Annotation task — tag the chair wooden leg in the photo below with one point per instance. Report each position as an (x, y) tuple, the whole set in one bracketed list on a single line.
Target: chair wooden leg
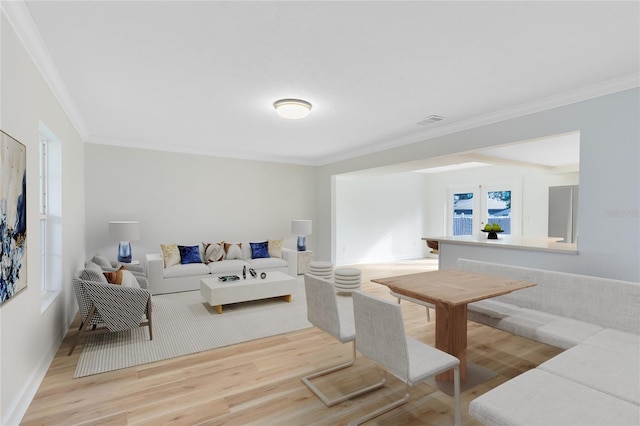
[(83, 327), (428, 315), (330, 402)]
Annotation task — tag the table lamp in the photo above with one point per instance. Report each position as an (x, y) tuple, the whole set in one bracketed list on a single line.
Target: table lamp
[(124, 231), (302, 228)]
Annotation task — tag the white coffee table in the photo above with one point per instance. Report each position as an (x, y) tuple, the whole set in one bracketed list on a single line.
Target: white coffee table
[(217, 293)]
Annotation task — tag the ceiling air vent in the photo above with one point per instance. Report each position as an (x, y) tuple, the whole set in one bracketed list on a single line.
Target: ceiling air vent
[(430, 119)]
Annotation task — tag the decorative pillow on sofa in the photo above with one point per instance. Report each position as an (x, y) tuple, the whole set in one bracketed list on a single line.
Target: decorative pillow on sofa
[(213, 252), (259, 250), (275, 248), (233, 250), (189, 254), (170, 254)]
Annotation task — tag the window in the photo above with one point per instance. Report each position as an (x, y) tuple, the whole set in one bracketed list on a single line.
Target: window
[(463, 213), (43, 214), (472, 207), (50, 174), (498, 209)]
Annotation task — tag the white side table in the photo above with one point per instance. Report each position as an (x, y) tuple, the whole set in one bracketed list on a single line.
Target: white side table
[(134, 266), (304, 259)]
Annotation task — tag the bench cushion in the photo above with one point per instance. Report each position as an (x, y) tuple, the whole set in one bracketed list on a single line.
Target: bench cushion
[(610, 372), (538, 397), (617, 341), (584, 298), (565, 333)]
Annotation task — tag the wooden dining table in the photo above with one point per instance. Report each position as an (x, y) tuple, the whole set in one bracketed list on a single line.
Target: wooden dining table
[(451, 290)]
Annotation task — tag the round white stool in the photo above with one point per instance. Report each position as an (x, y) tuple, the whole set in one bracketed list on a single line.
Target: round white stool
[(346, 279), (321, 269)]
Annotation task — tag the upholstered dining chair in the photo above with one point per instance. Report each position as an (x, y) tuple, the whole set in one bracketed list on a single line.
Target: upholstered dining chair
[(108, 307), (381, 338), (419, 302), (336, 319)]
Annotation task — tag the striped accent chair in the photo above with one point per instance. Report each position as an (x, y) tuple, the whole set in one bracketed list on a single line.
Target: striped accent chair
[(107, 307)]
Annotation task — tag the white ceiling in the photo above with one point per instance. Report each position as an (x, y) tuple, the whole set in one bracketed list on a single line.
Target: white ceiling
[(202, 76)]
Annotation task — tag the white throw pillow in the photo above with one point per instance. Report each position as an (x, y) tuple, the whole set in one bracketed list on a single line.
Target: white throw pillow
[(213, 252), (275, 248), (233, 251), (129, 280), (170, 254)]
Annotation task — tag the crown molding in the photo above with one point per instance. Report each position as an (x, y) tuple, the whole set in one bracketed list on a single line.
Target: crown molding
[(180, 149), (608, 87), (20, 19)]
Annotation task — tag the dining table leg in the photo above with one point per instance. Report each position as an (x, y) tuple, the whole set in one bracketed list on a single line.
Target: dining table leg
[(451, 337)]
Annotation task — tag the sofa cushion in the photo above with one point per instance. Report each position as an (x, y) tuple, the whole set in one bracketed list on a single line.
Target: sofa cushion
[(259, 250), (228, 266), (187, 270), (189, 254), (538, 397), (170, 254), (267, 263), (213, 252), (275, 248), (609, 372), (233, 251)]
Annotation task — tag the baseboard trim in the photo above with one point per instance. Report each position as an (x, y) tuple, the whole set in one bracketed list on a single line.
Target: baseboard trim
[(19, 406)]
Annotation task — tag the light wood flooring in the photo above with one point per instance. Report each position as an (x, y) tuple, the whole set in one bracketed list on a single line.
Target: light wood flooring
[(258, 382)]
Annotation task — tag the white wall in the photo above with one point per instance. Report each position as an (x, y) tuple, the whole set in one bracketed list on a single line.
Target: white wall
[(609, 206), (30, 338), (383, 217), (189, 199), (378, 218)]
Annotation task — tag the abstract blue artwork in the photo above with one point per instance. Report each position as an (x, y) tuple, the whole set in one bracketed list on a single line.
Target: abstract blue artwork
[(13, 217)]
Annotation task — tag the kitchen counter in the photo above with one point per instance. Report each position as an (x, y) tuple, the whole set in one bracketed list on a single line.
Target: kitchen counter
[(510, 242)]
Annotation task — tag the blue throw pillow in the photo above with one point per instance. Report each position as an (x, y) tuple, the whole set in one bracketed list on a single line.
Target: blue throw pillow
[(189, 254), (259, 250)]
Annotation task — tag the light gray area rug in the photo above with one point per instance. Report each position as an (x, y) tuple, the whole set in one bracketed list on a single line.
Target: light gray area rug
[(183, 323)]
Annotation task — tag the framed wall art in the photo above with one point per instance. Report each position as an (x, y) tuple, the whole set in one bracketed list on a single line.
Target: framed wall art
[(13, 217)]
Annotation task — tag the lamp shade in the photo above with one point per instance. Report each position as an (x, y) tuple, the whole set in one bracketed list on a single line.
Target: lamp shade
[(301, 227), (125, 230)]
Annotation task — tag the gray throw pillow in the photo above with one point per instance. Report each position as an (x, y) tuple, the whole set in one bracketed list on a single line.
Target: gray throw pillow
[(101, 261)]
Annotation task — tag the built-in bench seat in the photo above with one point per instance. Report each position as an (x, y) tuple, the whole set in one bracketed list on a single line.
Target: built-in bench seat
[(562, 309), (596, 380)]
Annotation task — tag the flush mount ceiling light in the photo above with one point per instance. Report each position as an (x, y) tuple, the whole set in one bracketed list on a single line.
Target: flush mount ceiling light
[(292, 108)]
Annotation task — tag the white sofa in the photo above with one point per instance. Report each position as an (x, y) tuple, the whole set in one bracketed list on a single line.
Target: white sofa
[(596, 381), (187, 277)]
